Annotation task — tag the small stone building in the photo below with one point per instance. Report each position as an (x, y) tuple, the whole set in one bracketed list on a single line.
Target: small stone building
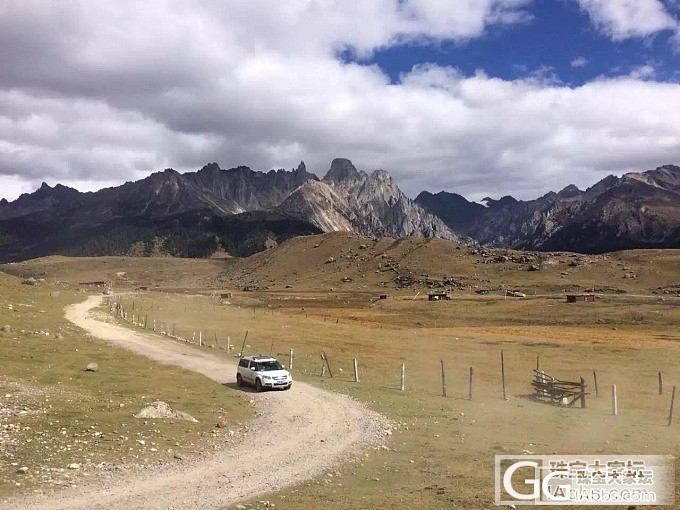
[(575, 298)]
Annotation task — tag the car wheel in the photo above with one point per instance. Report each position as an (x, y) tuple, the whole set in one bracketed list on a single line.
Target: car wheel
[(288, 387), (239, 380), (258, 385)]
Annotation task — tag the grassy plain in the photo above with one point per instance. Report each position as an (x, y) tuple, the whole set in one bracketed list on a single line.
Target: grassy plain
[(54, 414), (441, 454)]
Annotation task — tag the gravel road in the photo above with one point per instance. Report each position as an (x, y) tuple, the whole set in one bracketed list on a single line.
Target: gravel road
[(297, 435)]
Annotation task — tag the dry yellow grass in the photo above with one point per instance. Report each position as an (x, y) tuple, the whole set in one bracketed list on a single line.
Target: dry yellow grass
[(451, 441), (441, 456)]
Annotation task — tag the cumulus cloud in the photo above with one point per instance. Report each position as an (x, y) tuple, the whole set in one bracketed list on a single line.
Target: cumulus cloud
[(623, 19), (102, 92)]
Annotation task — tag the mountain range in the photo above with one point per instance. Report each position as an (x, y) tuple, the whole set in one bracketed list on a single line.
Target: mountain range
[(241, 211), (637, 210)]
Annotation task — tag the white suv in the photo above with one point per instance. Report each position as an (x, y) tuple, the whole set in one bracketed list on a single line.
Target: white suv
[(263, 372)]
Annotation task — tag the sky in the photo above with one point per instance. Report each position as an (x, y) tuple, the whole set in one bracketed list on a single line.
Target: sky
[(477, 97)]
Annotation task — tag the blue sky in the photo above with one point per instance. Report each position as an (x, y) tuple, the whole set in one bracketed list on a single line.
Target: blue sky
[(558, 41), (477, 97)]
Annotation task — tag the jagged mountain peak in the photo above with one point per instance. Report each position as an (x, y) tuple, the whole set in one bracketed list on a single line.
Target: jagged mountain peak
[(666, 177), (382, 176), (210, 168), (349, 199), (569, 191), (501, 202), (342, 170)]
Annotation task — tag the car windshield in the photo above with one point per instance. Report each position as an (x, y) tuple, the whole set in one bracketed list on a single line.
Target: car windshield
[(266, 366)]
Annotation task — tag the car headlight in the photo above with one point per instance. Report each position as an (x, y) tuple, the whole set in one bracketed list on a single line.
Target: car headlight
[(266, 377)]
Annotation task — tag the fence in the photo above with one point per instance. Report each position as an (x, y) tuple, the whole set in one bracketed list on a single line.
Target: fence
[(546, 387)]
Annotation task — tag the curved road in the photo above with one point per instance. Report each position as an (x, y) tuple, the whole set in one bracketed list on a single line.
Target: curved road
[(314, 430)]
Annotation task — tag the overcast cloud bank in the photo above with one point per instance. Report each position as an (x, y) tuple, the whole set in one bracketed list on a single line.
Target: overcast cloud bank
[(95, 93)]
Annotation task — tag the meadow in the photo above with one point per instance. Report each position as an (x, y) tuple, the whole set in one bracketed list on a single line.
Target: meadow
[(441, 453)]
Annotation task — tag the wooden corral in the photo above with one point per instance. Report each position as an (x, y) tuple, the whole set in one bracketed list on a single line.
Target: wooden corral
[(382, 296), (225, 295), (575, 298), (554, 391), (438, 296)]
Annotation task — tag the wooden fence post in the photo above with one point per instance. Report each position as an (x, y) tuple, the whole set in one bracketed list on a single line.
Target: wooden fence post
[(441, 362), (660, 384), (328, 365), (200, 338), (290, 362), (244, 342), (403, 369), (670, 413), (597, 392), (583, 393), (154, 325), (615, 402), (356, 371), (146, 318), (471, 382), (505, 394), (538, 361), (228, 344)]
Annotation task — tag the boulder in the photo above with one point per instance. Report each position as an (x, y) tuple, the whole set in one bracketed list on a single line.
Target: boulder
[(91, 367), (30, 281), (6, 328)]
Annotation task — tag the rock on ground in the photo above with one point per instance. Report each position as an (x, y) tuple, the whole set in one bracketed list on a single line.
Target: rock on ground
[(161, 410), (92, 367)]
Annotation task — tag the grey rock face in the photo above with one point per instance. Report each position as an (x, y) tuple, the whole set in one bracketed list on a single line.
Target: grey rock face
[(352, 200)]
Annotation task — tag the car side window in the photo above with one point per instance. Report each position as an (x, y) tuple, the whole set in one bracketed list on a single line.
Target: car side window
[(253, 364), (243, 363)]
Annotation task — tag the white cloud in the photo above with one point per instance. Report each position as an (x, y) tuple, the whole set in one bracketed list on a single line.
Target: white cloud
[(579, 62), (643, 72), (110, 93), (623, 19)]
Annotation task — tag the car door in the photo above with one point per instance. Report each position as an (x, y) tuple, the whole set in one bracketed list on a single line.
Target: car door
[(243, 369), (252, 369)]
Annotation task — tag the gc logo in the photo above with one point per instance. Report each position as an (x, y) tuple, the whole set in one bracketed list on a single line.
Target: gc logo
[(541, 487)]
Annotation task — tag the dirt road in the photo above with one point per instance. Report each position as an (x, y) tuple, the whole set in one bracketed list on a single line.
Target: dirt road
[(297, 435)]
